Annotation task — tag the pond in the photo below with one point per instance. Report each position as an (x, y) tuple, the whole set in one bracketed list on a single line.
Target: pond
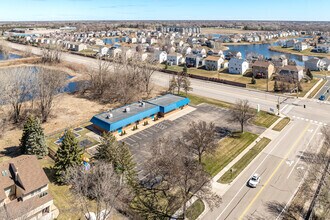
[(9, 57), (263, 49), (113, 40)]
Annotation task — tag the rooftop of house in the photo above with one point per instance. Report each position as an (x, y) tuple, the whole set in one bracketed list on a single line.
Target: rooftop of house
[(165, 100), (123, 112), (30, 174), (212, 58), (260, 63), (292, 68)]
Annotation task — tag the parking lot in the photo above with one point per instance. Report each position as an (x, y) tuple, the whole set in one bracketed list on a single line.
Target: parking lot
[(141, 142)]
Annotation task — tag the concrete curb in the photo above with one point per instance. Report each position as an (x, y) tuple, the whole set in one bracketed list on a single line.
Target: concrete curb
[(313, 88)]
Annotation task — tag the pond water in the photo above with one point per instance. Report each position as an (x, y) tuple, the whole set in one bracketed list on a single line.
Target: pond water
[(113, 40), (9, 57), (263, 49)]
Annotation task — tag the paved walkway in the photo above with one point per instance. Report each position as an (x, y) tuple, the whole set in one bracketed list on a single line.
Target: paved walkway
[(221, 189)]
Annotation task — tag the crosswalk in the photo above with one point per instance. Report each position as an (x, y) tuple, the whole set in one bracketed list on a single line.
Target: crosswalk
[(309, 120), (319, 101)]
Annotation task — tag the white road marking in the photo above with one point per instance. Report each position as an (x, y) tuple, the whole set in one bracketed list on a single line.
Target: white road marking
[(307, 145), (287, 131)]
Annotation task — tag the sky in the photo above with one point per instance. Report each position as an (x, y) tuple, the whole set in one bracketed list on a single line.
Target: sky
[(50, 10)]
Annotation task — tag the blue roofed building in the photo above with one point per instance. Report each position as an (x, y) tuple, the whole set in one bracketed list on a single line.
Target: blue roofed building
[(169, 102), (119, 118)]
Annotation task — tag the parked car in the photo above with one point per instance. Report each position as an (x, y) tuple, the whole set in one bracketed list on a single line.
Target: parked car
[(254, 180), (322, 98)]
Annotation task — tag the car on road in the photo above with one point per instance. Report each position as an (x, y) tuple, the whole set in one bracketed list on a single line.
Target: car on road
[(322, 98), (254, 180)]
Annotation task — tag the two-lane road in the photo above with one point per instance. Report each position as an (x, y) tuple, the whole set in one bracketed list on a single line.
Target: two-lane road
[(278, 166)]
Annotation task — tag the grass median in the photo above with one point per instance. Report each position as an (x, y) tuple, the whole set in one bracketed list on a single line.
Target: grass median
[(317, 89), (229, 148), (237, 168), (279, 126), (195, 210)]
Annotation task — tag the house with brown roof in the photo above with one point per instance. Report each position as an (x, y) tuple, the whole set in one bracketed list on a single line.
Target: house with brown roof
[(24, 190), (213, 63), (262, 69), (292, 72)]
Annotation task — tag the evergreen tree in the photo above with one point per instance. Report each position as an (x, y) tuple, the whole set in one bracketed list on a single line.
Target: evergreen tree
[(106, 148), (119, 155), (309, 74), (27, 129), (33, 139), (276, 86), (69, 154)]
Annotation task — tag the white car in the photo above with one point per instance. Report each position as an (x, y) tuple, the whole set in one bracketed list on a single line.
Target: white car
[(254, 180)]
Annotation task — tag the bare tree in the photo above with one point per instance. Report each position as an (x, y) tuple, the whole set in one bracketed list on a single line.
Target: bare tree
[(99, 184), (16, 86), (241, 113), (100, 77), (180, 81), (49, 83), (51, 54), (200, 138), (174, 176), (147, 71)]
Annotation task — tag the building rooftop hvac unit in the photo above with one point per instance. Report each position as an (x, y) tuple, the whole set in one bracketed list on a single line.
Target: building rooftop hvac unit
[(127, 109)]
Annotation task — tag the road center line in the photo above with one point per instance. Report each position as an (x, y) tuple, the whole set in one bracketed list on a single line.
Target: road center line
[(278, 142), (274, 172), (310, 140)]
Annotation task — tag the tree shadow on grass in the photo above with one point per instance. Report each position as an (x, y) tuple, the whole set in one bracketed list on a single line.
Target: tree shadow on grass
[(12, 151)]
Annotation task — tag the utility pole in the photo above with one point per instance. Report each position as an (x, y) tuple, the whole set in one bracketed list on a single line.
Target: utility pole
[(278, 105)]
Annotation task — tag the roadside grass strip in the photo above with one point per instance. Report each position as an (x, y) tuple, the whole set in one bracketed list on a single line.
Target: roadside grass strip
[(229, 148), (237, 168), (264, 119), (281, 124), (195, 210), (317, 89)]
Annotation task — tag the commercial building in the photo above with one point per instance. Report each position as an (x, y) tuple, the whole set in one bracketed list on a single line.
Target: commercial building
[(117, 119)]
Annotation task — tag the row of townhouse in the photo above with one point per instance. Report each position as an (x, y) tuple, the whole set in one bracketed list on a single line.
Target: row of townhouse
[(317, 64)]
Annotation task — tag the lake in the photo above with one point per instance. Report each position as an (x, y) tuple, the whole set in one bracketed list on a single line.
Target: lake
[(263, 49), (10, 56)]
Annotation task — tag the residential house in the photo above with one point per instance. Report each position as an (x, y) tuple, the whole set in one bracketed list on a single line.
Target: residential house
[(326, 66), (174, 58), (292, 72), (114, 52), (262, 69), (233, 54), (103, 50), (314, 64), (279, 61), (237, 66), (300, 46), (78, 47), (290, 43), (322, 48), (194, 61), (213, 63), (160, 56), (24, 190)]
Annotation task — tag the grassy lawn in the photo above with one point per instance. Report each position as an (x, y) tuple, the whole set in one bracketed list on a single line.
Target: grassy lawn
[(279, 126), (237, 168), (302, 53), (314, 92), (63, 199), (306, 86), (82, 137), (321, 73), (227, 150), (261, 84), (264, 119), (195, 210), (195, 100)]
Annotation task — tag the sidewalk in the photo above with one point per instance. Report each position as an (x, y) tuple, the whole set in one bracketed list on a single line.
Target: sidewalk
[(222, 188)]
